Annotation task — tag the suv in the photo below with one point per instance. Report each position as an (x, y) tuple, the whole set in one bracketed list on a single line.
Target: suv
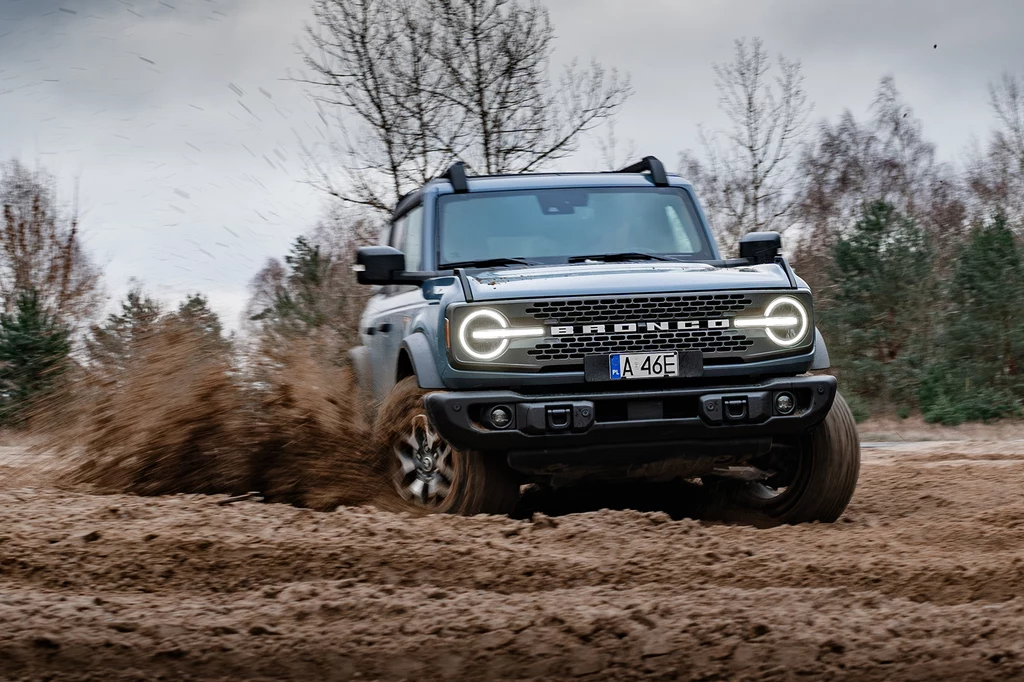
[(562, 329)]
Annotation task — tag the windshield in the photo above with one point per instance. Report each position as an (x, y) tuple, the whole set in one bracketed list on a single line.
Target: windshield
[(554, 225)]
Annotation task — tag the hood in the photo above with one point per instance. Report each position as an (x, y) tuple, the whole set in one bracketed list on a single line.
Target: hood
[(621, 278)]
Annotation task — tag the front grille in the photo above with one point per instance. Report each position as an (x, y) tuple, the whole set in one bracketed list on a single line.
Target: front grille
[(594, 310), (710, 341), (578, 327)]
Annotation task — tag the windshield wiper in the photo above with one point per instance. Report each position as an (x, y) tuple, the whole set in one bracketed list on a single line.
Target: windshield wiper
[(628, 255), (490, 263)]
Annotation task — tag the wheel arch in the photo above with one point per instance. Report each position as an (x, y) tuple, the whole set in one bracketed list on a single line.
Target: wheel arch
[(416, 358), (821, 360), (405, 366)]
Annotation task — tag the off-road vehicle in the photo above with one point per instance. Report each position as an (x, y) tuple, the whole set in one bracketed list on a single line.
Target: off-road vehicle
[(562, 329)]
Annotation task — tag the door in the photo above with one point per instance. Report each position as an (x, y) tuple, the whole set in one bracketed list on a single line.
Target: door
[(398, 303)]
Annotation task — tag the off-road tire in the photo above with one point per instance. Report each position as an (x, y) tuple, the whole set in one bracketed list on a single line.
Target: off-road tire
[(480, 483), (822, 487)]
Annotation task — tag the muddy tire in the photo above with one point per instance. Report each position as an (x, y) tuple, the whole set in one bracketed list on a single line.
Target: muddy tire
[(819, 488), (425, 474)]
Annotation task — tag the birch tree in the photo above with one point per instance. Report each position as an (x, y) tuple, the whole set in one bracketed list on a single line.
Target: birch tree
[(412, 86), (747, 169)]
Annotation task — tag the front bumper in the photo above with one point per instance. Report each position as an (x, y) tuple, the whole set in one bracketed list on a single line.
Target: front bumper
[(717, 417)]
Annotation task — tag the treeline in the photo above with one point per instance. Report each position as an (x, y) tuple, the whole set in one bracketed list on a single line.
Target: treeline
[(51, 332), (915, 262)]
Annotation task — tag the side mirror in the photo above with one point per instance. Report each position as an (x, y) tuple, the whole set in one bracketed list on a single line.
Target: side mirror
[(379, 265), (760, 247)]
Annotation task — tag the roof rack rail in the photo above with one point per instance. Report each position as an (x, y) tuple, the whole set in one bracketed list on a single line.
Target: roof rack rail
[(456, 174), (652, 164)]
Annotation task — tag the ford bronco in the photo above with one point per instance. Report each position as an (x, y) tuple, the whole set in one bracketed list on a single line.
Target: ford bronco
[(561, 329)]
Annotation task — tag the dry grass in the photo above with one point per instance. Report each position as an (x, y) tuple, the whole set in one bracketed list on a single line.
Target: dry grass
[(181, 416), (887, 428)]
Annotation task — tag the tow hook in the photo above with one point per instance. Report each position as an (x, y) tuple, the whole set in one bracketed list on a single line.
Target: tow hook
[(743, 408), (735, 409), (559, 418), (539, 418)]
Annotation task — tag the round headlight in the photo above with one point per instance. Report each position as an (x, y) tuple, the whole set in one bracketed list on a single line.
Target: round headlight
[(786, 308), (473, 336)]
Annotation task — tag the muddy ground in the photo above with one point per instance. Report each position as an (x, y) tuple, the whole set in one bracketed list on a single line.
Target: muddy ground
[(922, 579)]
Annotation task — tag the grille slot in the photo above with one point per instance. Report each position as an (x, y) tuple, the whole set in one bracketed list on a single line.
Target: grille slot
[(631, 309), (710, 341)]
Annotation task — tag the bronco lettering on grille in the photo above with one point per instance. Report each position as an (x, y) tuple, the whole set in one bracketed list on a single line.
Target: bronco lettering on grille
[(635, 327)]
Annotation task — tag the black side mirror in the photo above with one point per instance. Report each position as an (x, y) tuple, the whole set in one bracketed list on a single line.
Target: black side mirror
[(379, 265), (760, 247)]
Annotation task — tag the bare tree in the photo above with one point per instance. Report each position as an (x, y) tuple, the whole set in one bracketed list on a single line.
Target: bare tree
[(496, 55), (904, 161), (418, 84), (373, 65), (996, 175), (850, 164), (1007, 100), (747, 169), (40, 249), (612, 156)]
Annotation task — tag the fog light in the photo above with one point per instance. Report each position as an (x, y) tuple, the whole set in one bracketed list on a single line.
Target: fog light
[(501, 417), (785, 403)]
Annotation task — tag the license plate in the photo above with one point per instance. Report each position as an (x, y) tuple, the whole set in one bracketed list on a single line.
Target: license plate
[(643, 365)]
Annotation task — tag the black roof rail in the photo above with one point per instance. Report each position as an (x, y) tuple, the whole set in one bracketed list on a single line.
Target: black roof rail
[(456, 174), (652, 164)]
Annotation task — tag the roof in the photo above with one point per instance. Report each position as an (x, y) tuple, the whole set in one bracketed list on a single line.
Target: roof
[(456, 180), (491, 183)]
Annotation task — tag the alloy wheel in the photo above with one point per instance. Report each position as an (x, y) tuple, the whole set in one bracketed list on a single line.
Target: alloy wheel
[(424, 474)]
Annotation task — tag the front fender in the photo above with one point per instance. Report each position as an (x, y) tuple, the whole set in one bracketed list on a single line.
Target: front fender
[(424, 364)]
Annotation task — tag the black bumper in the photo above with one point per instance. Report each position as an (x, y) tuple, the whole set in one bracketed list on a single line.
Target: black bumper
[(718, 417)]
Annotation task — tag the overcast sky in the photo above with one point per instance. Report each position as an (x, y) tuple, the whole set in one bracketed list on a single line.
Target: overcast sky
[(185, 135)]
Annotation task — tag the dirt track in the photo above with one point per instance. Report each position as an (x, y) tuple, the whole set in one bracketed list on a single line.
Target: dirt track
[(922, 579)]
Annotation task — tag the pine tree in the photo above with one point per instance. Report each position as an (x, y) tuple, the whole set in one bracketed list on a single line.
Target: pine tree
[(293, 303), (195, 310), (195, 313), (110, 344), (976, 374), (34, 350), (878, 317)]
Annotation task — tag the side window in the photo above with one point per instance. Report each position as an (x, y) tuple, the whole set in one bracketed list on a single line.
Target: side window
[(398, 234), (414, 239), (407, 237)]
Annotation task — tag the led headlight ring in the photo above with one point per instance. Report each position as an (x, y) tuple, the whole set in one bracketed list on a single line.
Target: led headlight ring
[(464, 342), (801, 312)]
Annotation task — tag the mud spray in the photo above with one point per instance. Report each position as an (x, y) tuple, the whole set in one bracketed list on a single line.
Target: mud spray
[(184, 414)]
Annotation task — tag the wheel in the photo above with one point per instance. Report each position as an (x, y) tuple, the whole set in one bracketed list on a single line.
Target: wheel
[(815, 483), (425, 473)]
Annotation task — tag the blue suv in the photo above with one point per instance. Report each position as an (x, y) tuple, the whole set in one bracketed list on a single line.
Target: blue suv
[(567, 329)]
